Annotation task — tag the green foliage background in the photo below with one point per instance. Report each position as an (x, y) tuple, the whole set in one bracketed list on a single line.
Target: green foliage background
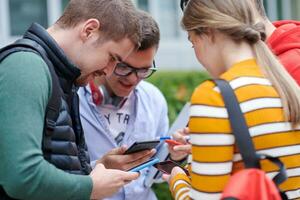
[(177, 87)]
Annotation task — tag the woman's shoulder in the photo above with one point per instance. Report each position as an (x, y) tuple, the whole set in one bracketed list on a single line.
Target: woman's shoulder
[(207, 93)]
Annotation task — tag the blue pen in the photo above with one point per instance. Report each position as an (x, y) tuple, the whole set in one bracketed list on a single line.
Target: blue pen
[(165, 138), (187, 137)]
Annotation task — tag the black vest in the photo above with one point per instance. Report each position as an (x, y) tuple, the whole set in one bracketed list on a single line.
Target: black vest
[(63, 142)]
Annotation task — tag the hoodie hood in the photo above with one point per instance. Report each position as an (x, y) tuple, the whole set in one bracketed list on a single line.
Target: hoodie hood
[(285, 37)]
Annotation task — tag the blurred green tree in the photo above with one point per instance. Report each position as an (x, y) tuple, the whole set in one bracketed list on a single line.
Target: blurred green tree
[(177, 87)]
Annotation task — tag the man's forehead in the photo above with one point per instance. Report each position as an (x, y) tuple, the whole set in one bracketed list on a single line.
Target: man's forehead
[(124, 48), (141, 59)]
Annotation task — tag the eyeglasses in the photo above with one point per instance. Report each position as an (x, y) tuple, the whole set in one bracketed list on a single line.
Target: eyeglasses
[(183, 4), (124, 69)]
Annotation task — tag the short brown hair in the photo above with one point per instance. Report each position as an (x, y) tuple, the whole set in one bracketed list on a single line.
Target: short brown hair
[(118, 18), (150, 31)]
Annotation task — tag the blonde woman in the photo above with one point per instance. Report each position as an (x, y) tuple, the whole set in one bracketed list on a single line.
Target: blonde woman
[(230, 45)]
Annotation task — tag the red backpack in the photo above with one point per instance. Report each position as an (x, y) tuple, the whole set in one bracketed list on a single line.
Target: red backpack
[(251, 183)]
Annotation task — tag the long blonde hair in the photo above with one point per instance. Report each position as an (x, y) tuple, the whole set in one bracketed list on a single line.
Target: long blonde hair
[(235, 18)]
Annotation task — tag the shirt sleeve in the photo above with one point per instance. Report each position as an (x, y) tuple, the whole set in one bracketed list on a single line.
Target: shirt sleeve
[(25, 85), (180, 187)]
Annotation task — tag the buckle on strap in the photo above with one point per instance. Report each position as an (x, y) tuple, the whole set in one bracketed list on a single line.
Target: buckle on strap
[(50, 124)]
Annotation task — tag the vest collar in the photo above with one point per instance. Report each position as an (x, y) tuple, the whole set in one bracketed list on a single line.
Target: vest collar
[(63, 66)]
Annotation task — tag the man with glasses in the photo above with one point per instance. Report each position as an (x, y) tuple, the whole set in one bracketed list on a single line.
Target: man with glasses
[(121, 108)]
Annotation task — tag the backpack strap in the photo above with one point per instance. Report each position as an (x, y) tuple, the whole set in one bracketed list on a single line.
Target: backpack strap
[(54, 103), (242, 135), (238, 125)]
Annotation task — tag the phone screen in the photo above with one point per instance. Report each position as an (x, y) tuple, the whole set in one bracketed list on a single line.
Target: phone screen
[(167, 166), (141, 146)]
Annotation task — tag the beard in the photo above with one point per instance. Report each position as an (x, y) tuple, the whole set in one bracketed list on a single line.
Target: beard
[(83, 80)]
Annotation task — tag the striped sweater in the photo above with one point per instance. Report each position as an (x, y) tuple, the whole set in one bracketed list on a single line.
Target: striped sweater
[(214, 154)]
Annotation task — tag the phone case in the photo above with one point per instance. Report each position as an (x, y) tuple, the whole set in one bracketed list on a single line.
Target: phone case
[(167, 166), (143, 145), (144, 165)]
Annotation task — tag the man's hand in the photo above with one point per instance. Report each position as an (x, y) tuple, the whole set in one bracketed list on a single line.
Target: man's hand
[(178, 152), (106, 182), (115, 159)]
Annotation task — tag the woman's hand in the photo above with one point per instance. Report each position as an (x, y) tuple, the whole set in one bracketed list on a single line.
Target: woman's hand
[(178, 152), (175, 171)]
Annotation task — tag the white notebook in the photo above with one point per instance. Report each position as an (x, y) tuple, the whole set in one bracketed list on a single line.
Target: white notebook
[(180, 122)]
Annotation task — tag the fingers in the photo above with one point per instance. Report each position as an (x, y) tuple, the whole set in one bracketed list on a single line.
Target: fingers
[(181, 135), (129, 176), (185, 148), (139, 155), (179, 152), (117, 151), (116, 160), (177, 170), (186, 131), (125, 162), (136, 163), (166, 177), (98, 166), (110, 159), (108, 181), (140, 160)]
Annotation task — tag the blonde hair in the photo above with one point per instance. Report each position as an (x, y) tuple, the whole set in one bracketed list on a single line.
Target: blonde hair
[(235, 18)]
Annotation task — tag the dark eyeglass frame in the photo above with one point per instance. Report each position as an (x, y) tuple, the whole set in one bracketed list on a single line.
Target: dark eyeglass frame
[(183, 4), (136, 70)]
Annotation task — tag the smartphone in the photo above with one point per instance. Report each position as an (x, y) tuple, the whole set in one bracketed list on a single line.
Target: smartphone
[(141, 146), (148, 163), (167, 166), (172, 142)]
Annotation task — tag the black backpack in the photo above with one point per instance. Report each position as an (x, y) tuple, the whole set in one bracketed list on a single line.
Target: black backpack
[(53, 106)]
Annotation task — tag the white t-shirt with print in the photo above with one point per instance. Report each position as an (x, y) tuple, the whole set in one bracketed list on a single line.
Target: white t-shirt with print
[(118, 119)]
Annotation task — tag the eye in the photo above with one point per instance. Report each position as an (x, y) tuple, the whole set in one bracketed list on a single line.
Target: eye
[(112, 58)]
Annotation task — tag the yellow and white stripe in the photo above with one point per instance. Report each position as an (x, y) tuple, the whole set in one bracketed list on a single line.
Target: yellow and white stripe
[(248, 106), (293, 194), (211, 168), (245, 81), (270, 128), (197, 195), (212, 139), (275, 152), (214, 155)]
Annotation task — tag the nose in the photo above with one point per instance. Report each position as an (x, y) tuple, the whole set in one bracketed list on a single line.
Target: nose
[(108, 70), (132, 78)]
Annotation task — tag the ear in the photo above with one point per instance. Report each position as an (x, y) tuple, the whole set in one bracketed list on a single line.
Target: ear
[(90, 28), (211, 34)]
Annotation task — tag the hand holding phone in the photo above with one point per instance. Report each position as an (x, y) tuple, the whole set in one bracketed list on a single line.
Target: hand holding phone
[(148, 163), (141, 146), (167, 166)]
